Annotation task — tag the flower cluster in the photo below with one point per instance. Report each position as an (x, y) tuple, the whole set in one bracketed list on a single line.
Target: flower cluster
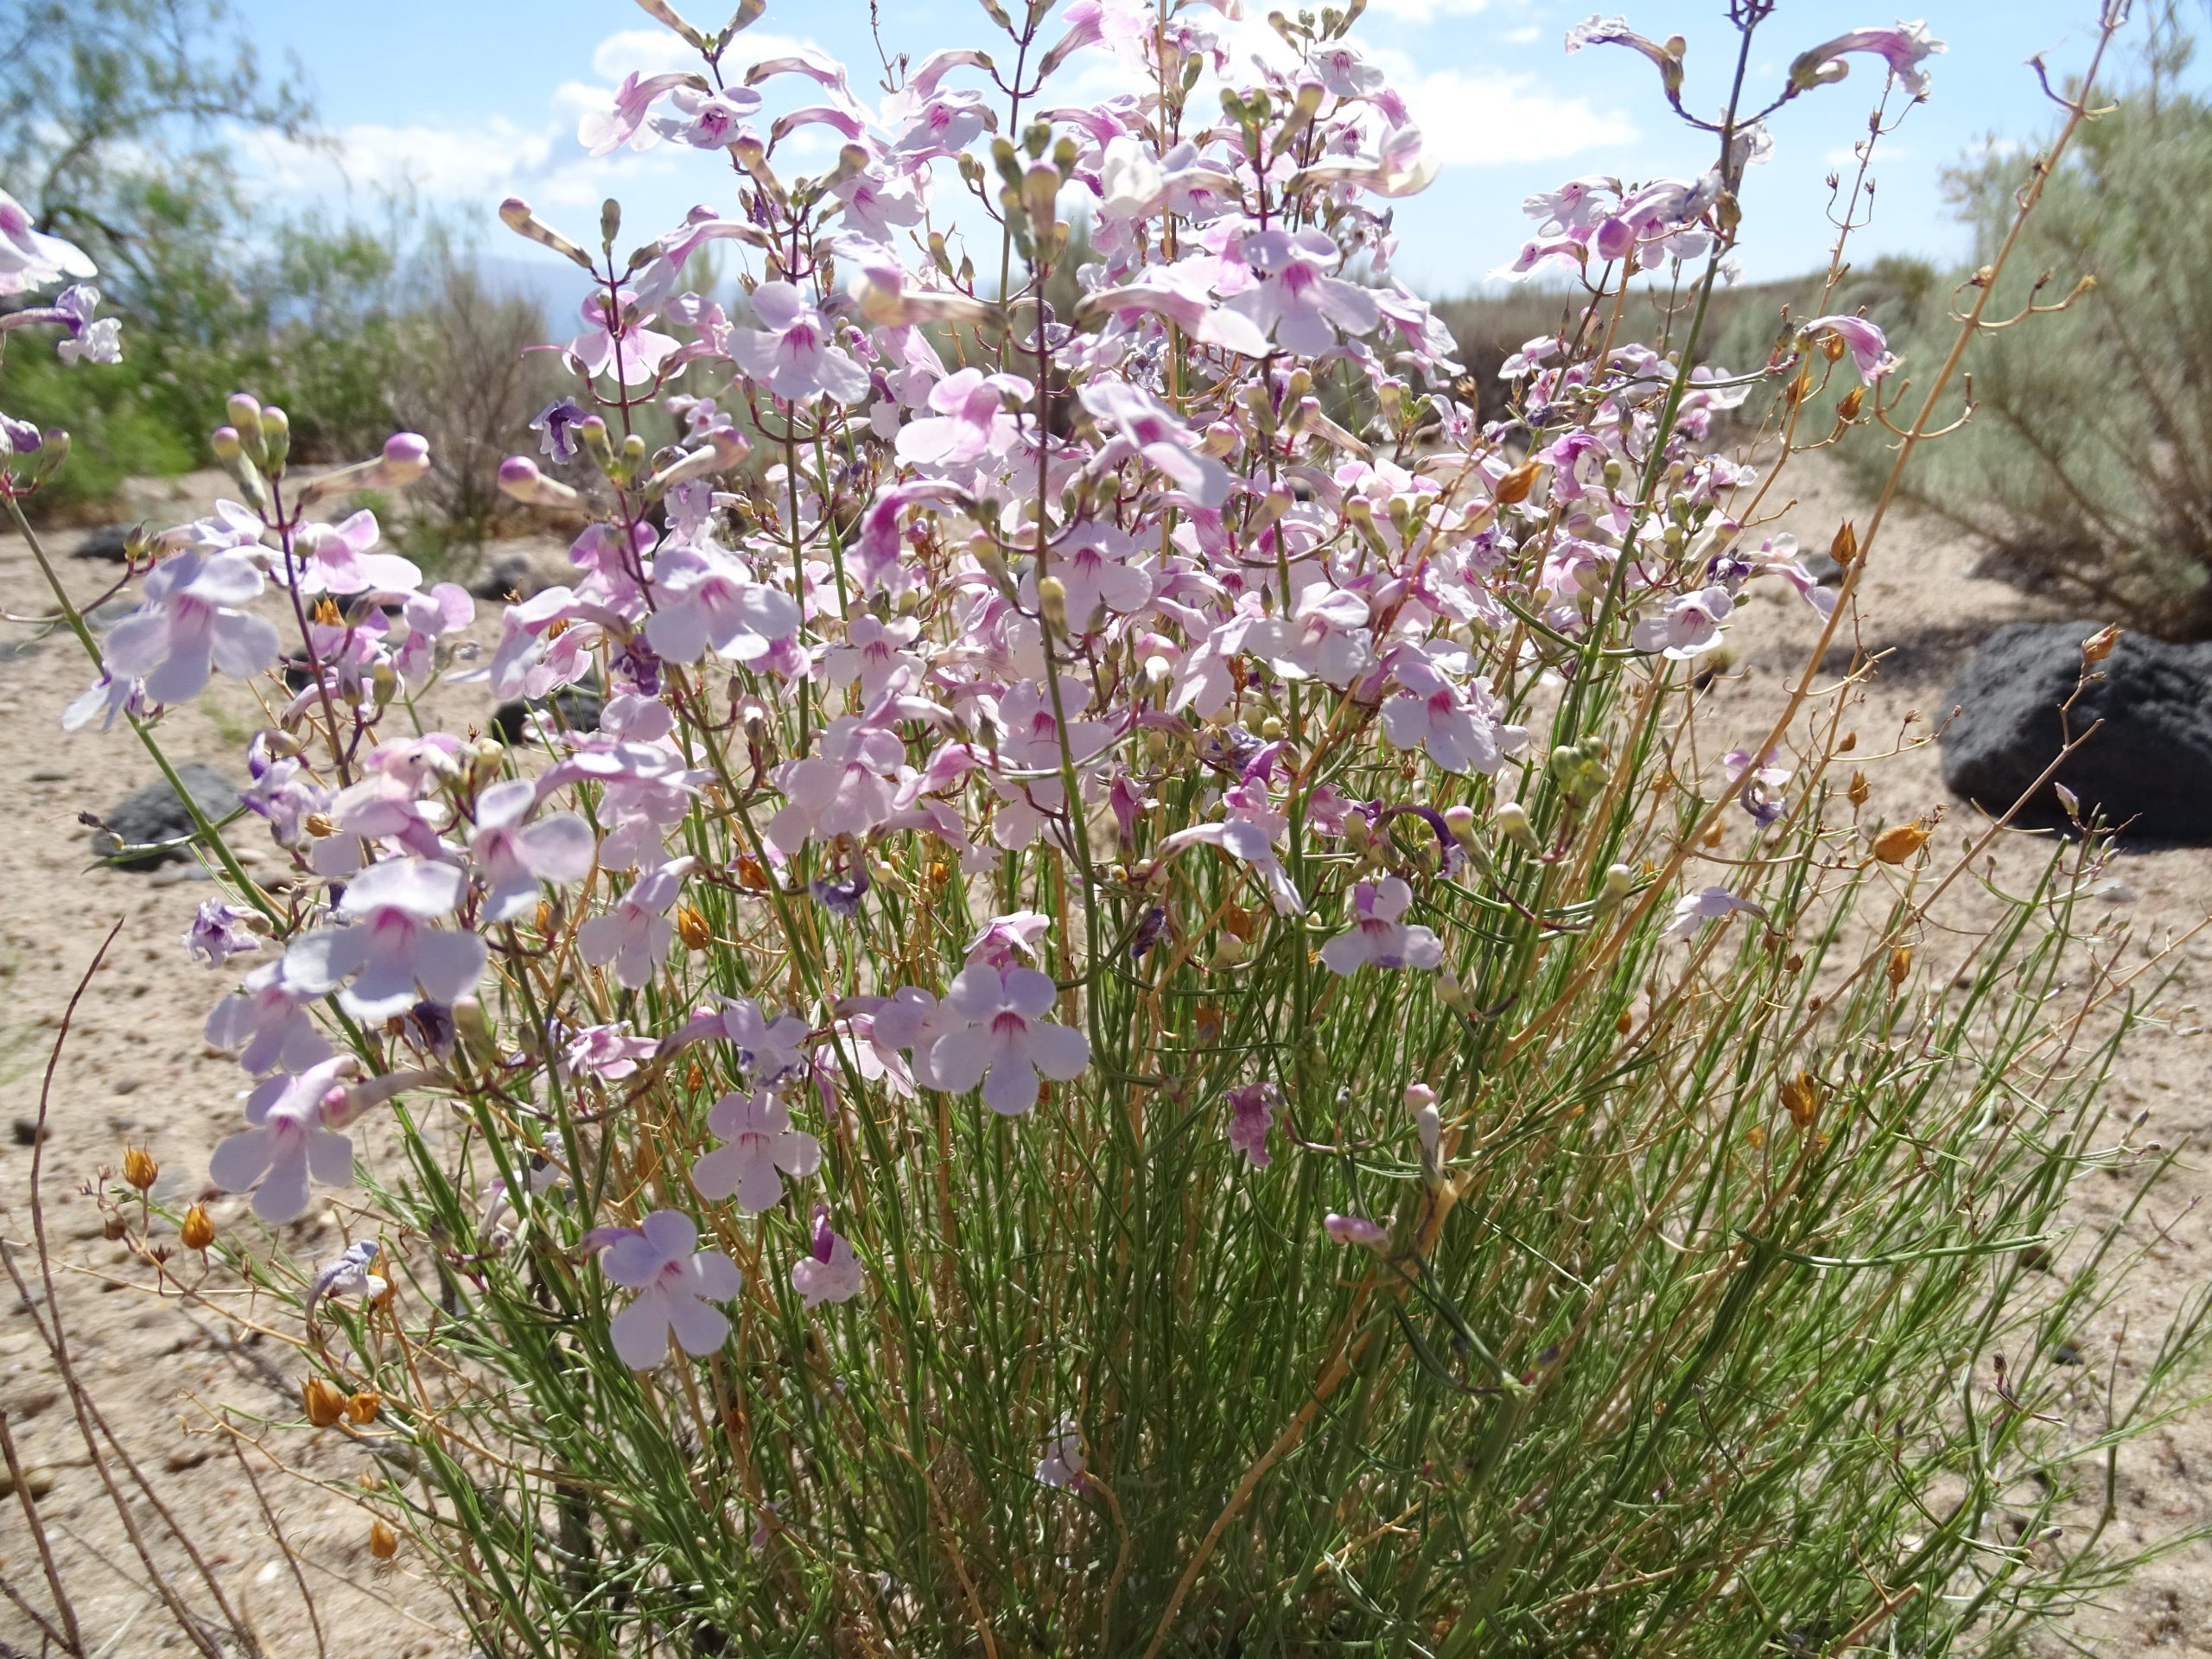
[(1159, 607)]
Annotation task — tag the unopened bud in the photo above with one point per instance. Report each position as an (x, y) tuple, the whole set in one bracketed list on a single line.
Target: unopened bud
[(1227, 951), (1460, 821), (515, 214), (1510, 819), (1052, 603), (1619, 880), (276, 440), (245, 411), (520, 480), (406, 457)]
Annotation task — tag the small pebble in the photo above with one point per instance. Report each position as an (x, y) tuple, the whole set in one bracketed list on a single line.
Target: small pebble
[(27, 1132), (37, 1482)]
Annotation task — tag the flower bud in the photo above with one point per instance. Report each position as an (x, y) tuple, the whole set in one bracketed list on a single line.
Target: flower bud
[(406, 457), (276, 440), (198, 1232), (520, 480), (1511, 820), (1460, 821), (139, 1167), (324, 1404), (515, 214), (1052, 603), (1227, 951), (1619, 881), (1356, 1229), (245, 411)]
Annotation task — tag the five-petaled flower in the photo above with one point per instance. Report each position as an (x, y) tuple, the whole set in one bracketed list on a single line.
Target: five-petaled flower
[(675, 1284), (762, 1148), (1378, 937), (1007, 1045)]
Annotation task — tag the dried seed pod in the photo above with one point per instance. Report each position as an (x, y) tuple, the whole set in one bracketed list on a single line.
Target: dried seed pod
[(139, 1167), (323, 1403), (198, 1232), (1900, 842), (383, 1543)]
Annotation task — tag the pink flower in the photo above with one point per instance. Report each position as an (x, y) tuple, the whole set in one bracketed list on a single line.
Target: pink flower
[(1251, 1115), (829, 1272), (874, 655), (847, 789), (706, 598), (1133, 421), (1008, 1044), (1100, 582), (616, 341), (970, 421), (1693, 910), (604, 131), (1903, 48), (291, 1138), (1459, 727), (30, 259), (707, 120), (388, 949), (1378, 937), (1356, 1229), (189, 626), (1295, 297), (674, 1286), (1063, 1464), (513, 857), (1687, 626), (266, 1024), (761, 1143), (766, 1049), (335, 559), (635, 933), (607, 1053), (795, 356), (1870, 351)]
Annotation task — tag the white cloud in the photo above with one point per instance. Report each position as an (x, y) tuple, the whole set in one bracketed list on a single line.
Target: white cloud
[(1476, 119), (1527, 34)]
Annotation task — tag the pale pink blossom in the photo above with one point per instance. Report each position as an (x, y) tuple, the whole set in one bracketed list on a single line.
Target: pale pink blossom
[(386, 948), (336, 559), (1693, 910), (189, 626), (290, 1138), (1687, 626), (1378, 937), (514, 857), (795, 355), (1295, 298), (1008, 1044), (635, 933), (829, 1272), (762, 1148), (675, 1284), (705, 598)]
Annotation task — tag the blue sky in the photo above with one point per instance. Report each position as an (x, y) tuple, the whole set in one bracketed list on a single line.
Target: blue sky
[(471, 100)]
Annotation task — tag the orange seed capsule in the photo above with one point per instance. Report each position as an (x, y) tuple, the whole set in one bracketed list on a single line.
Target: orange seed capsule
[(323, 1403), (692, 927), (364, 1406), (198, 1232), (139, 1167), (1900, 965), (1899, 842), (383, 1544)]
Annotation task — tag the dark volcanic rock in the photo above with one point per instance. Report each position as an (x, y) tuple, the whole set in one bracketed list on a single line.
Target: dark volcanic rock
[(575, 708), (155, 814), (2148, 765), (508, 573), (105, 543)]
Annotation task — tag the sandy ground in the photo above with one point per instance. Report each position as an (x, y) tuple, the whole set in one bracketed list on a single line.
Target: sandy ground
[(137, 1071)]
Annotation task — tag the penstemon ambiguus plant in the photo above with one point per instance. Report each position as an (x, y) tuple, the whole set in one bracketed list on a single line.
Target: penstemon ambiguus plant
[(1113, 1043)]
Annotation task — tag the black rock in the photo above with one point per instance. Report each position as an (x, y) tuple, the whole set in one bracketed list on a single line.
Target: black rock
[(508, 573), (155, 814), (105, 543), (572, 707), (2148, 766)]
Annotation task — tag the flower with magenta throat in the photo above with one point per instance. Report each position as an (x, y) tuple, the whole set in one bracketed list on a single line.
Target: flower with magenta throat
[(675, 1285), (1007, 1045), (762, 1148), (828, 1271), (1378, 937)]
